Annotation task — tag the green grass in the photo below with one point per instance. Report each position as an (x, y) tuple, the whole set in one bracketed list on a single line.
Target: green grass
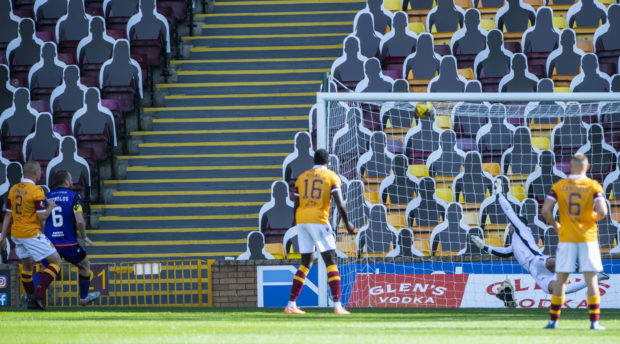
[(256, 326)]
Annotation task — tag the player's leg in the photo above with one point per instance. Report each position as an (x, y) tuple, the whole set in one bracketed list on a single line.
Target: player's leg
[(47, 277), (564, 264), (590, 265), (26, 276), (84, 283), (298, 283), (333, 279)]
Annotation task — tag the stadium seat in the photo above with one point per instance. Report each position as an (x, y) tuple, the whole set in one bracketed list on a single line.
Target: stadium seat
[(121, 77), (149, 34), (275, 249), (378, 237), (450, 235), (448, 79), (276, 216), (93, 126), (427, 209), (473, 184)]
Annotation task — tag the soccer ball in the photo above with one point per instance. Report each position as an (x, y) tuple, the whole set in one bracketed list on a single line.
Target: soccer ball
[(424, 110)]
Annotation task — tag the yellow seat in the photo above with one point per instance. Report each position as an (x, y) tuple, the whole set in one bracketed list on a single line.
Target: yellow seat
[(445, 194), (541, 142), (487, 24), (606, 2), (419, 170), (562, 89), (585, 45), (417, 27), (470, 218), (443, 121), (559, 22), (492, 167), (374, 254), (346, 245), (423, 246), (397, 219), (276, 250), (494, 241), (392, 5), (467, 73), (518, 191), (372, 197)]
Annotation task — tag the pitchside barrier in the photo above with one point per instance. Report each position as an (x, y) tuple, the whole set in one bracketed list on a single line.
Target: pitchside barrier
[(157, 283)]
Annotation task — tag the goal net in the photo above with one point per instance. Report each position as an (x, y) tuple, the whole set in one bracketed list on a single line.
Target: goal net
[(422, 175)]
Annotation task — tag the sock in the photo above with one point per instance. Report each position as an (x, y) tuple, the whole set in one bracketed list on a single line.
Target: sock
[(556, 307), (47, 276), (84, 285), (593, 307), (298, 282), (575, 286), (27, 282), (333, 278)]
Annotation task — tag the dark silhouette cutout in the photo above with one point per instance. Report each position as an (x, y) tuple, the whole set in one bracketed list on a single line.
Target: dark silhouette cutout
[(543, 37), (451, 234), (4, 180), (121, 69), (20, 119), (24, 50), (529, 212), (495, 136), (68, 97), (515, 16), (404, 245), (601, 156), (400, 42), (521, 158), (566, 59), (350, 66), (550, 240), (374, 80), (544, 112), (382, 18), (290, 241), (591, 79), (446, 17), (471, 248), (70, 161), (98, 46), (424, 62), (93, 119), (448, 160), (473, 182), (490, 209), (376, 163), (426, 209), (570, 134), (377, 236), (612, 182), (607, 230), (301, 160), (519, 79), (606, 36), (277, 216), (539, 183), (368, 37), (469, 117), (14, 175), (448, 79), (350, 142), (6, 90), (586, 13), (358, 210), (9, 23), (255, 248), (494, 61), (400, 115), (149, 25), (418, 4), (48, 72), (120, 8), (51, 9), (44, 143), (400, 186), (471, 39), (73, 26), (488, 3), (422, 139)]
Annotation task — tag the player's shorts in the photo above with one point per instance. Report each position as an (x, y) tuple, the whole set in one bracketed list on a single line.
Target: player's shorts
[(541, 274), (310, 235), (37, 248), (73, 254), (587, 253)]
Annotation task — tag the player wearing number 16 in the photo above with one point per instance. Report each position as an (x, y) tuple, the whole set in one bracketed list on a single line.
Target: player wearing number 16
[(25, 206), (314, 190), (62, 227), (581, 204)]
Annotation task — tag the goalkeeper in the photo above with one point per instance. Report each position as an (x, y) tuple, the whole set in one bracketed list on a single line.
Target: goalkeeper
[(525, 250)]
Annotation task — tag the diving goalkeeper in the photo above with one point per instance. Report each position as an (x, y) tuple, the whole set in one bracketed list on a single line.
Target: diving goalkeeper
[(525, 250)]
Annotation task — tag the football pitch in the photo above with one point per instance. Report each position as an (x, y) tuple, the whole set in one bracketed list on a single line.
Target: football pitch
[(256, 326)]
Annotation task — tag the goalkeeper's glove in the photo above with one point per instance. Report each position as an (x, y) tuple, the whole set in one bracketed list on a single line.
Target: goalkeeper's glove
[(478, 241)]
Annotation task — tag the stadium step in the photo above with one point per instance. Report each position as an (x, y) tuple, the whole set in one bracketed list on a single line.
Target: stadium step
[(205, 168)]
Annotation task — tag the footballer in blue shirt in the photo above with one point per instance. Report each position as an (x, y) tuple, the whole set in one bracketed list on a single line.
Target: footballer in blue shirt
[(62, 226)]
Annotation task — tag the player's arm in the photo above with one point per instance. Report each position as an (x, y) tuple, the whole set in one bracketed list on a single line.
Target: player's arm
[(503, 252), (44, 212), (600, 207), (547, 210), (342, 210), (6, 224), (79, 220)]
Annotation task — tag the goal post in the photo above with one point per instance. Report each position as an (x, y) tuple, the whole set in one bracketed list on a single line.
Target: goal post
[(422, 174)]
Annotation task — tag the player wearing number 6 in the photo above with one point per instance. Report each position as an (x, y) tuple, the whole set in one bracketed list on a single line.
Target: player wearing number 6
[(65, 221), (313, 192), (25, 207), (581, 203)]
